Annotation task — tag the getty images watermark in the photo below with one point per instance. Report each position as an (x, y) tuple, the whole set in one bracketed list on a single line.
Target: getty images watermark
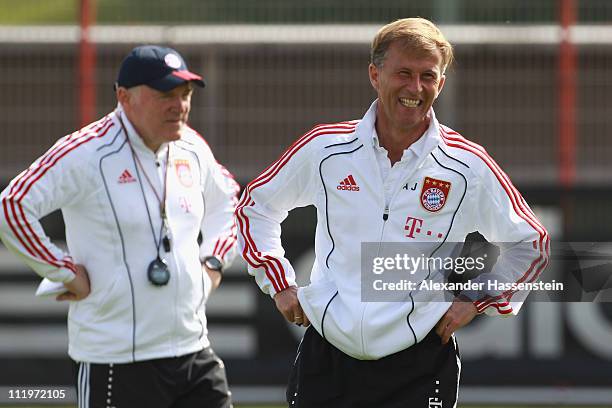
[(479, 269)]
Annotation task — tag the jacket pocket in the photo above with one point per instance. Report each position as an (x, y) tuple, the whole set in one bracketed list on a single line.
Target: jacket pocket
[(315, 301), (113, 297), (325, 312)]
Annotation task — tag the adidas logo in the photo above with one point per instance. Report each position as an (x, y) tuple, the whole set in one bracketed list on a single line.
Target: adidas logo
[(348, 183), (126, 177)]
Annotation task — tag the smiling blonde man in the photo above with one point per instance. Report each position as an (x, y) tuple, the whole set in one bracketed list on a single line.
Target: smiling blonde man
[(396, 176)]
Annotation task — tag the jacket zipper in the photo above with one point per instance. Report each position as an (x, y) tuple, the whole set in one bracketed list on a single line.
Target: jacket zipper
[(385, 217)]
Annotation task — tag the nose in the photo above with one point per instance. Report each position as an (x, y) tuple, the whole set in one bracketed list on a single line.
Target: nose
[(414, 85), (179, 104), (184, 105)]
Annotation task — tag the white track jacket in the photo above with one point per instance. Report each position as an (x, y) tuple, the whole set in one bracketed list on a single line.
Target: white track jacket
[(334, 168), (111, 229)]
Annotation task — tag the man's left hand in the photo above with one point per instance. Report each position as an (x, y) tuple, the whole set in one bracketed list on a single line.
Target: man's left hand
[(461, 312), (78, 288), (288, 304)]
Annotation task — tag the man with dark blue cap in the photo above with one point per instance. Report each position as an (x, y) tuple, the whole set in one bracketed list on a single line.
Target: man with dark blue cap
[(149, 229), (158, 67), (154, 89)]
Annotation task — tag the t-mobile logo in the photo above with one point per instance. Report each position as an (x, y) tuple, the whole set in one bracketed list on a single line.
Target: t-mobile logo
[(413, 225)]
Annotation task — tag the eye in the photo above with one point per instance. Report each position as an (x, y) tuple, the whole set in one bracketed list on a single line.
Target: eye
[(405, 74)]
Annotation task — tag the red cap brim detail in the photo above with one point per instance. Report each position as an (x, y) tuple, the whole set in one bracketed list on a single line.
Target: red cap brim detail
[(187, 76)]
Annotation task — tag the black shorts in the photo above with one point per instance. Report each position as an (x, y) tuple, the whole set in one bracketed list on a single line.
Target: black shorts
[(425, 375), (194, 380)]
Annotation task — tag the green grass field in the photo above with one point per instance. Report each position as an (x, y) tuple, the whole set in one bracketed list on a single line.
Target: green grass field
[(285, 406)]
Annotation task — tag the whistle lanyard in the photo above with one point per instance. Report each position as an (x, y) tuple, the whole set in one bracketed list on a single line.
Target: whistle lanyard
[(162, 237)]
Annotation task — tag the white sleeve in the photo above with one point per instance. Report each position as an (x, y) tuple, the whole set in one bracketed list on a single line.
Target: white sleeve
[(287, 183), (504, 218), (220, 192), (53, 181)]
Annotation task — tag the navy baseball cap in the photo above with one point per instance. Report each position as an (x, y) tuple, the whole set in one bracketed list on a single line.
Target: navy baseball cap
[(160, 68)]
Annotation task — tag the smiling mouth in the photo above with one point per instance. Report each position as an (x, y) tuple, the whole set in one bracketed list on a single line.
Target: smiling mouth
[(410, 103)]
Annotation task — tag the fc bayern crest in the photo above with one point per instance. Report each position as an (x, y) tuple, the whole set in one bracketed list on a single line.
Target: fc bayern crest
[(434, 194), (183, 171)]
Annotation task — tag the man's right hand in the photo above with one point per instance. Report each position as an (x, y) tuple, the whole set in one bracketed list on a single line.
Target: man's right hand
[(288, 304), (78, 288)]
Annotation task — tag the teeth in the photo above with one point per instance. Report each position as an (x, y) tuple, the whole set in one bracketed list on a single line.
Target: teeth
[(410, 103)]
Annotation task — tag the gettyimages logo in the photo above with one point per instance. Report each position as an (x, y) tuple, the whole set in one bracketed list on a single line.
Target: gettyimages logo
[(412, 264), (433, 271)]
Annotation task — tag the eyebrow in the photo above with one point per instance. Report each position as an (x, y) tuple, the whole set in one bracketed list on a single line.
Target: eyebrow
[(427, 71)]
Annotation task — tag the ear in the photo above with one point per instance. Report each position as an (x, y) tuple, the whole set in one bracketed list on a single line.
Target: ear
[(123, 96), (441, 85), (373, 73)]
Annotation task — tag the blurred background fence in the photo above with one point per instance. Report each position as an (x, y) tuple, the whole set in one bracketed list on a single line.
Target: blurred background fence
[(269, 83), (535, 95), (502, 92)]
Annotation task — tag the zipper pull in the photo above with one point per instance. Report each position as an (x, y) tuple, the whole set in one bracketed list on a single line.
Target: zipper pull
[(386, 214)]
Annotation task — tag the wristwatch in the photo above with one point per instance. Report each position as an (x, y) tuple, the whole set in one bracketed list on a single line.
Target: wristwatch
[(214, 264)]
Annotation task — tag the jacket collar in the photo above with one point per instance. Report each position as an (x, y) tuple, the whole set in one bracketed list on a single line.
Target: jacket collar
[(134, 138), (366, 132)]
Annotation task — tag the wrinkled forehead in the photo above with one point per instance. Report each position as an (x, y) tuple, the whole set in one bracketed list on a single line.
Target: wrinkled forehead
[(425, 54)]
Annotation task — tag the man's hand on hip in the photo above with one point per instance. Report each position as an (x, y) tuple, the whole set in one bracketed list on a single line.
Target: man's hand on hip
[(461, 312), (78, 288), (288, 304)]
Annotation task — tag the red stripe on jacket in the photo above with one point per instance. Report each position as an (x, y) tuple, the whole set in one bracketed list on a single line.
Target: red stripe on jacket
[(279, 282), (518, 204), (224, 243), (255, 263), (27, 179)]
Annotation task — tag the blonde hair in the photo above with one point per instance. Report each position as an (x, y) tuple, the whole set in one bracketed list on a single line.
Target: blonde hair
[(415, 34)]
